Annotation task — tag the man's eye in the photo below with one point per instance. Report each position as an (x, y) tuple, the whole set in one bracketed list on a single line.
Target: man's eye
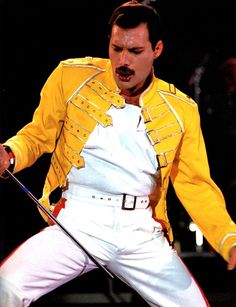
[(118, 49), (136, 51)]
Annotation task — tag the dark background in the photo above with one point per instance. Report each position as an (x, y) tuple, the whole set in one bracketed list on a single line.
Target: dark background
[(36, 35)]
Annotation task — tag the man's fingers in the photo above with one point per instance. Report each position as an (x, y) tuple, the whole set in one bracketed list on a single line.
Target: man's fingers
[(4, 160), (232, 259)]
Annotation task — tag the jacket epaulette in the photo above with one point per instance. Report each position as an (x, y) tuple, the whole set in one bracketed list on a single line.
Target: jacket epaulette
[(171, 90), (90, 61)]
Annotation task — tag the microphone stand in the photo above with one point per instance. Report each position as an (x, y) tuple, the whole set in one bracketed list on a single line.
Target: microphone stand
[(48, 213)]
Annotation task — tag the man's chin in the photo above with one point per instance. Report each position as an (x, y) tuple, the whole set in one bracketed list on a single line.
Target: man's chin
[(124, 85)]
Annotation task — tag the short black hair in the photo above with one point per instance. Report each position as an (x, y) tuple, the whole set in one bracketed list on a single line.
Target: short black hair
[(132, 13)]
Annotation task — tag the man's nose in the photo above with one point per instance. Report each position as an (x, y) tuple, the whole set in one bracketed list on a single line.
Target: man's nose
[(124, 58)]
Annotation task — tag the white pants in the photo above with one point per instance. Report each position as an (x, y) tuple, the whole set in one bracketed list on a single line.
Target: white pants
[(128, 242)]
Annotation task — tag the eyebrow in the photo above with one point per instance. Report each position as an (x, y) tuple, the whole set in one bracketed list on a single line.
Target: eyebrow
[(132, 48)]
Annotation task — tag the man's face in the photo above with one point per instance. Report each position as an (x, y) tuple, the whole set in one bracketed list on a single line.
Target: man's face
[(131, 56)]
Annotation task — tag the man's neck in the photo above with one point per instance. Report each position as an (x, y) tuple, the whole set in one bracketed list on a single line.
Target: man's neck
[(132, 99)]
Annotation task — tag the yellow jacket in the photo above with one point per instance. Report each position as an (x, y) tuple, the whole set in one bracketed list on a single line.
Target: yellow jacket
[(76, 97)]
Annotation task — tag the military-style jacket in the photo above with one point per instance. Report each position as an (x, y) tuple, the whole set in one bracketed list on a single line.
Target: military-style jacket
[(76, 98)]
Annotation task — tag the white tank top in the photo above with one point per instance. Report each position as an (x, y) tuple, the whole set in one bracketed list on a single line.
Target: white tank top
[(119, 159)]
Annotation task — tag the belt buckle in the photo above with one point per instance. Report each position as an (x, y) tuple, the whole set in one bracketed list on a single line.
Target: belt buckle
[(124, 205)]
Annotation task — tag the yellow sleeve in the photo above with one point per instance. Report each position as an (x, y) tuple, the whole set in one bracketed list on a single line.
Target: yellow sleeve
[(40, 135), (198, 193)]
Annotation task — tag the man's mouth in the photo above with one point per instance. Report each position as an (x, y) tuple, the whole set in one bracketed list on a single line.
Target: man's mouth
[(124, 78), (124, 73)]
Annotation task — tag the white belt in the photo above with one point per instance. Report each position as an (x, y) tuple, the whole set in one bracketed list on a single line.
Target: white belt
[(124, 201)]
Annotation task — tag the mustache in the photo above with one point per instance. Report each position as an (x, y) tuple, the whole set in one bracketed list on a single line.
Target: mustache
[(124, 70)]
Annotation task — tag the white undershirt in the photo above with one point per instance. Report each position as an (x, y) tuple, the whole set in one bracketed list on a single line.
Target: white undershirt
[(119, 159)]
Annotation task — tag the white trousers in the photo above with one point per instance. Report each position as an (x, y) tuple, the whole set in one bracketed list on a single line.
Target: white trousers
[(128, 242)]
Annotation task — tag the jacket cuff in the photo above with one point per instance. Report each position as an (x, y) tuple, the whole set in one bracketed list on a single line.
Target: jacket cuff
[(227, 243)]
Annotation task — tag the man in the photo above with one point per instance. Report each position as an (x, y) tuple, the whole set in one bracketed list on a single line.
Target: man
[(117, 134)]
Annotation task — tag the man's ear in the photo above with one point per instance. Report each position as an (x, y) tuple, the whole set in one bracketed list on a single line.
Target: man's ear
[(158, 49)]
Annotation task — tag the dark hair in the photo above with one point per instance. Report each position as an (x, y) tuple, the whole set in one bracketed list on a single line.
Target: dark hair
[(130, 14)]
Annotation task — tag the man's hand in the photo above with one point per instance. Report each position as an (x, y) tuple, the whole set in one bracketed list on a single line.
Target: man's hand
[(4, 160), (232, 259)]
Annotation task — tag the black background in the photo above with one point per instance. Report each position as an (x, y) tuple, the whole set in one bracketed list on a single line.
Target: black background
[(36, 35)]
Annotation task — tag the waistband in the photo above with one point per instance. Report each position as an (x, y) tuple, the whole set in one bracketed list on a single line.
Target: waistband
[(124, 201)]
